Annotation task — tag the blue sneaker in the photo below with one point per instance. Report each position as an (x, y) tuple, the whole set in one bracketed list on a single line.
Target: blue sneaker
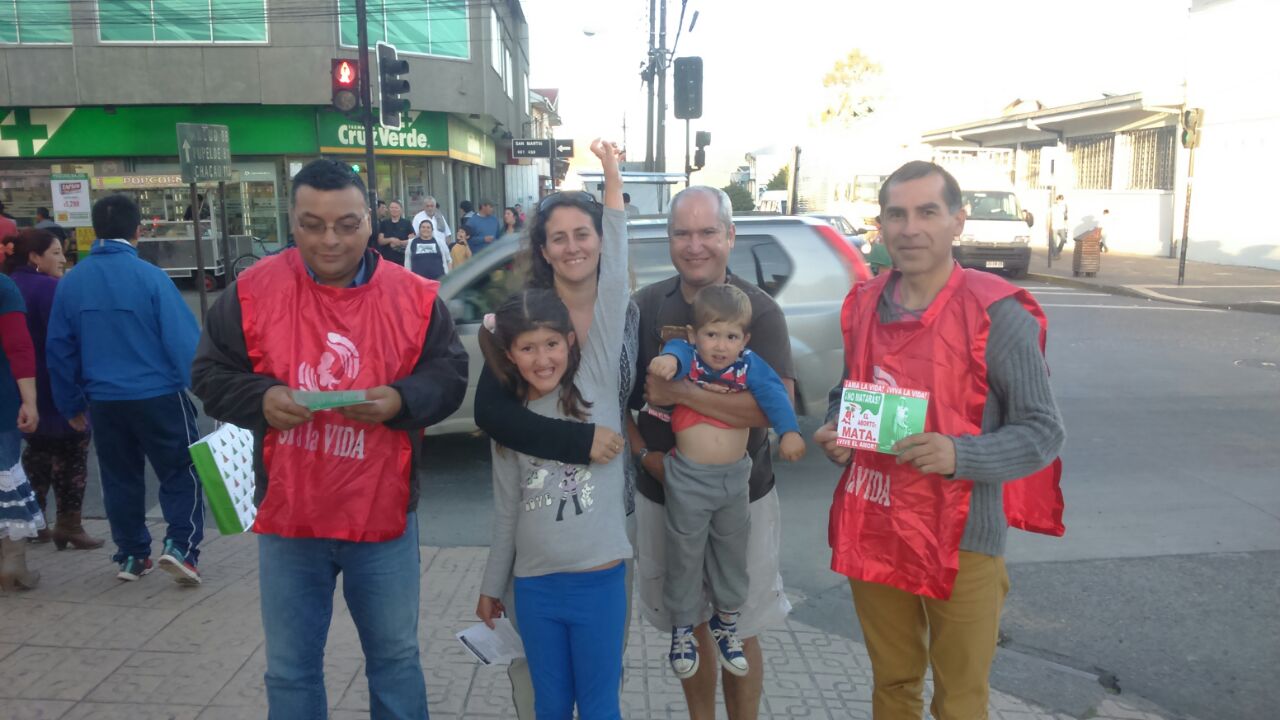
[(133, 568), (684, 652), (728, 645), (175, 562)]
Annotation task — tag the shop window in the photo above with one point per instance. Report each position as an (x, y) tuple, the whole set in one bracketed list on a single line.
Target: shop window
[(419, 27), (182, 21), (35, 21)]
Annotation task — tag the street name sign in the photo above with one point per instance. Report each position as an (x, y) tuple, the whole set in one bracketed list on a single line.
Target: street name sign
[(204, 152), (530, 148)]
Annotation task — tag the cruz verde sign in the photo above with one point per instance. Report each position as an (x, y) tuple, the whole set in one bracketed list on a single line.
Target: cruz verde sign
[(148, 131), (425, 133)]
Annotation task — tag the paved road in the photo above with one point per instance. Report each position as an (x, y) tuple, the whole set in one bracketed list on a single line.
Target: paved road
[(1167, 580)]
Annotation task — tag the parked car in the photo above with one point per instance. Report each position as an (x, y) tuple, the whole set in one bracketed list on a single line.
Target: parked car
[(845, 228), (802, 262)]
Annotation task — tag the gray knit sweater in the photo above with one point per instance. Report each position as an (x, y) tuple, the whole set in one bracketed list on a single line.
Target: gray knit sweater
[(1021, 427)]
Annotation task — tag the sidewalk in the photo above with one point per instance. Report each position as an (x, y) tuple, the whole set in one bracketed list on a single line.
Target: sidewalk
[(1226, 287), (87, 646)]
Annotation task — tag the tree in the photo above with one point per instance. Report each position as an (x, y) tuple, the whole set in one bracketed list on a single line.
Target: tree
[(779, 179), (739, 198), (852, 89)]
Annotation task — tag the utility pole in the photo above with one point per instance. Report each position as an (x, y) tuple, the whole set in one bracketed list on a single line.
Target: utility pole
[(793, 187), (648, 133), (660, 143), (1186, 215), (366, 103)]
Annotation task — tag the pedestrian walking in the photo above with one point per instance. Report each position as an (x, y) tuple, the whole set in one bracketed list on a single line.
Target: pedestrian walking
[(560, 528), (921, 533), (336, 490), (20, 516), (701, 234), (119, 350), (56, 455), (1060, 218)]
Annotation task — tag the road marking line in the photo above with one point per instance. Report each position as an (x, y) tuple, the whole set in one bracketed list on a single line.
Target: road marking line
[(1129, 307), (1073, 294), (1209, 287)]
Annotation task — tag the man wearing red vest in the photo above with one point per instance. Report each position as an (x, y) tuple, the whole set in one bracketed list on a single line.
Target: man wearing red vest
[(921, 534), (336, 490)]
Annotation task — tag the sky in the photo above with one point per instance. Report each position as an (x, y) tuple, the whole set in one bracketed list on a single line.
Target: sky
[(945, 63)]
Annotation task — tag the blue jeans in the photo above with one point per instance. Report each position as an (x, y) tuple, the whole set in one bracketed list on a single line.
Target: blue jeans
[(297, 578), (159, 429), (572, 628)]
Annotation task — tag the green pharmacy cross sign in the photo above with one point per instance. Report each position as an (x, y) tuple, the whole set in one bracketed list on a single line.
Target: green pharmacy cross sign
[(24, 132)]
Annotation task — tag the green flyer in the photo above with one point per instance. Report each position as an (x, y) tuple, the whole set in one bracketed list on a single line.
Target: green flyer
[(314, 401), (875, 417)]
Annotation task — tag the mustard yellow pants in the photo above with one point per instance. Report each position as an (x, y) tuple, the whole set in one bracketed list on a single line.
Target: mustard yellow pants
[(906, 633)]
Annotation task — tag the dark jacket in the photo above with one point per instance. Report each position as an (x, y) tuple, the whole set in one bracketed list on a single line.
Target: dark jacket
[(37, 290), (223, 378)]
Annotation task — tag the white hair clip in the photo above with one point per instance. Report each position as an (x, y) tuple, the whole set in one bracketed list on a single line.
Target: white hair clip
[(489, 322)]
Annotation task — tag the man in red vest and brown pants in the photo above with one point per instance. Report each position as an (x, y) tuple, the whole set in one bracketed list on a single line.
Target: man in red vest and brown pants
[(921, 534), (337, 489)]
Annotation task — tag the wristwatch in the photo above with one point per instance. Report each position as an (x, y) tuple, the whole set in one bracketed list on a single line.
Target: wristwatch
[(640, 456)]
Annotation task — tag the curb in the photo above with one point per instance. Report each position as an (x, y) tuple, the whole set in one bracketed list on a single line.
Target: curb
[(1141, 293)]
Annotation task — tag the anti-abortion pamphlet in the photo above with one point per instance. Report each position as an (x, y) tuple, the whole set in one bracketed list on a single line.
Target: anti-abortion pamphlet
[(875, 417), (498, 646), (314, 401)]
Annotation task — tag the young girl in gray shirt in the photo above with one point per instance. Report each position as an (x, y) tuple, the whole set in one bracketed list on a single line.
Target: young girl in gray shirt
[(559, 528)]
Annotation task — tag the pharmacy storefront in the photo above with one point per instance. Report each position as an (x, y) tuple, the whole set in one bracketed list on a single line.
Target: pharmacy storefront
[(50, 156)]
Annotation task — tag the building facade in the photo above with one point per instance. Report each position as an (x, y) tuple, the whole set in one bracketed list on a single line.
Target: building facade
[(94, 88), (1117, 153)]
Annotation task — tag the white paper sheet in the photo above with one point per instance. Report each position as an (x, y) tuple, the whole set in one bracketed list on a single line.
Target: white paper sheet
[(498, 646)]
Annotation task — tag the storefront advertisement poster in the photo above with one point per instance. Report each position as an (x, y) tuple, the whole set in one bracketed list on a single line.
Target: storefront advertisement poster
[(71, 204)]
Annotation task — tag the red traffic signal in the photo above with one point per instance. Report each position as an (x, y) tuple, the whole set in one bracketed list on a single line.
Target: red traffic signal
[(344, 75)]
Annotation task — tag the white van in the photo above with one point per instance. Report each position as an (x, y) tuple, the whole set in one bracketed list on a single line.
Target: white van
[(997, 233)]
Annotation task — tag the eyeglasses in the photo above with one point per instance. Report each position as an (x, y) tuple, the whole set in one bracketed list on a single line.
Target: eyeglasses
[(570, 197), (344, 228)]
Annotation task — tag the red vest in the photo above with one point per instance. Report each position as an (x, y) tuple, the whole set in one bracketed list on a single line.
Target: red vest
[(890, 523), (332, 477)]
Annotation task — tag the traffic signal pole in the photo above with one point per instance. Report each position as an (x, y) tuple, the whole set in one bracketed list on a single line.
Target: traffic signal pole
[(1186, 215), (366, 105)]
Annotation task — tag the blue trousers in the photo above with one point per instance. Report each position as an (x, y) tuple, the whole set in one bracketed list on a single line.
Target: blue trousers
[(158, 429), (572, 628), (297, 578)]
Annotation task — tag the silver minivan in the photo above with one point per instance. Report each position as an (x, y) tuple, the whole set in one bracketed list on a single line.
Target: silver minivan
[(802, 262)]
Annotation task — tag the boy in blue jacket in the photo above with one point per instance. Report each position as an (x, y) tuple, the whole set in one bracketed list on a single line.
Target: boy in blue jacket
[(120, 345)]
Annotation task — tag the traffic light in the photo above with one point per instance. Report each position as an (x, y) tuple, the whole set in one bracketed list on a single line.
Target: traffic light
[(345, 76), (688, 91), (1192, 119), (391, 85), (701, 139)]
